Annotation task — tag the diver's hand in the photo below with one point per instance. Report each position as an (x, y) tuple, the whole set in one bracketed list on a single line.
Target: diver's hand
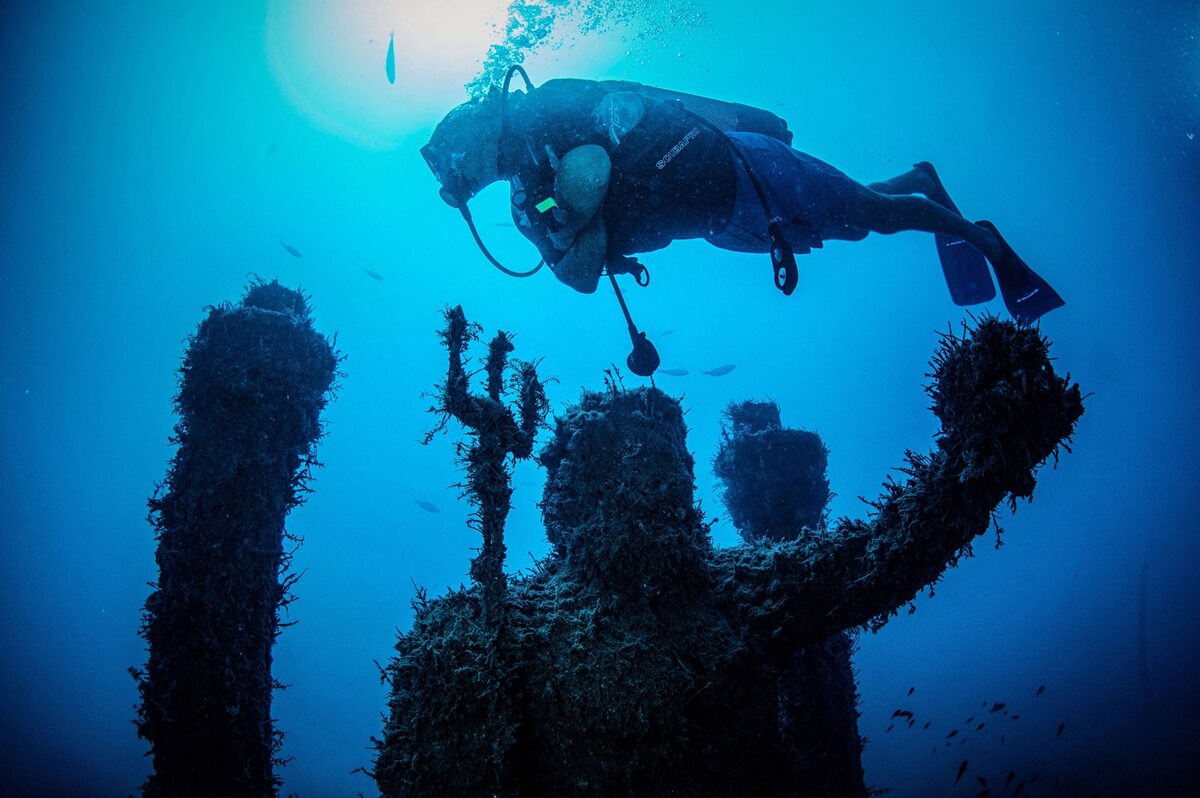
[(580, 268)]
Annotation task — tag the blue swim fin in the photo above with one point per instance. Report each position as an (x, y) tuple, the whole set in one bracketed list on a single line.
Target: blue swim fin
[(966, 271), (1026, 295), (964, 267)]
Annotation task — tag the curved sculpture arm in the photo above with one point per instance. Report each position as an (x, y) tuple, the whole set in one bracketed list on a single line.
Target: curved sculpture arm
[(1003, 411)]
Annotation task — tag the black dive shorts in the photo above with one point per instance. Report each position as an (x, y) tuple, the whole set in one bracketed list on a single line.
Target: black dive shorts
[(812, 197)]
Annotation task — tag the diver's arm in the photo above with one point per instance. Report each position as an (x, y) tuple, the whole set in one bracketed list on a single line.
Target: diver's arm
[(579, 189), (580, 267), (1003, 412)]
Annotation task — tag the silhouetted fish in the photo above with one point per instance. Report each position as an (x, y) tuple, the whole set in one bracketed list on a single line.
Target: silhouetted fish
[(961, 770), (674, 372), (982, 781), (1014, 717), (969, 720), (1011, 776), (901, 713), (428, 507), (390, 63), (911, 721), (721, 371), (997, 706), (927, 724), (373, 275), (665, 333), (503, 224), (952, 733), (295, 253), (979, 727), (890, 727), (1061, 726), (1020, 786), (1040, 690), (910, 690)]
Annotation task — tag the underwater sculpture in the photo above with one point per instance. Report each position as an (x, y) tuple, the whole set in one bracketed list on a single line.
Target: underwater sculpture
[(252, 387), (637, 659), (775, 488)]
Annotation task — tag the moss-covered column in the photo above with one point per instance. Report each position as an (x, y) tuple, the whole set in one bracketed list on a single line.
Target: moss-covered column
[(776, 489), (252, 386)]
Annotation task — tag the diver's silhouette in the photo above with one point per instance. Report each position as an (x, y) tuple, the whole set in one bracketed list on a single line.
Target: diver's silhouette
[(605, 170)]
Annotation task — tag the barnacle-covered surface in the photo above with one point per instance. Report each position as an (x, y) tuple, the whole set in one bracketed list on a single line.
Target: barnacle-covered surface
[(776, 488), (637, 659), (253, 383)]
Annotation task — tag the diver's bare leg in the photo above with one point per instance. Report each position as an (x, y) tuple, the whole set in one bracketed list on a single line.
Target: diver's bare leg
[(914, 181), (884, 213)]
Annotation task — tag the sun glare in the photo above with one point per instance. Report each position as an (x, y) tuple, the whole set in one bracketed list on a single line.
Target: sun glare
[(328, 59)]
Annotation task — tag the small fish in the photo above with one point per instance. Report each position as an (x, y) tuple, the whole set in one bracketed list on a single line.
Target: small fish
[(721, 371), (674, 372), (295, 253), (997, 707), (390, 64), (1061, 726), (1020, 786), (979, 727), (928, 723), (1011, 776), (901, 713), (910, 690), (911, 721), (890, 727), (503, 224), (1014, 717), (428, 507), (1035, 778), (969, 720), (1039, 691), (982, 781), (665, 333), (951, 734), (961, 770), (373, 275), (985, 703)]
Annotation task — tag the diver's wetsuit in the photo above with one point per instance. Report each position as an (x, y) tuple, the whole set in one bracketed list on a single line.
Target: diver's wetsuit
[(673, 174)]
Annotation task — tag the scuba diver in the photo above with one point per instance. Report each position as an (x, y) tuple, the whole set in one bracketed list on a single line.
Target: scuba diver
[(601, 171)]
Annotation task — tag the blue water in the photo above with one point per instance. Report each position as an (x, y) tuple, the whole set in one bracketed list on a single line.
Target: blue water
[(154, 155)]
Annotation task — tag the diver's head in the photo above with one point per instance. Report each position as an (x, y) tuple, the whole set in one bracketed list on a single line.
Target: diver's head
[(464, 149)]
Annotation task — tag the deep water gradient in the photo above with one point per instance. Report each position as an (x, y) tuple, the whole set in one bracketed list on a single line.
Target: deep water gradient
[(153, 156)]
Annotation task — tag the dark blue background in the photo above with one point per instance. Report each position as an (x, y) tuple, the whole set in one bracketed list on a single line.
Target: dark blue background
[(154, 155)]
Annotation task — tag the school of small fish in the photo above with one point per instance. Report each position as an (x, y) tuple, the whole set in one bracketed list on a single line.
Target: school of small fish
[(1012, 781)]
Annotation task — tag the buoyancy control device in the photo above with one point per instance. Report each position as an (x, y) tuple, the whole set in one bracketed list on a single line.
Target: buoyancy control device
[(713, 116)]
